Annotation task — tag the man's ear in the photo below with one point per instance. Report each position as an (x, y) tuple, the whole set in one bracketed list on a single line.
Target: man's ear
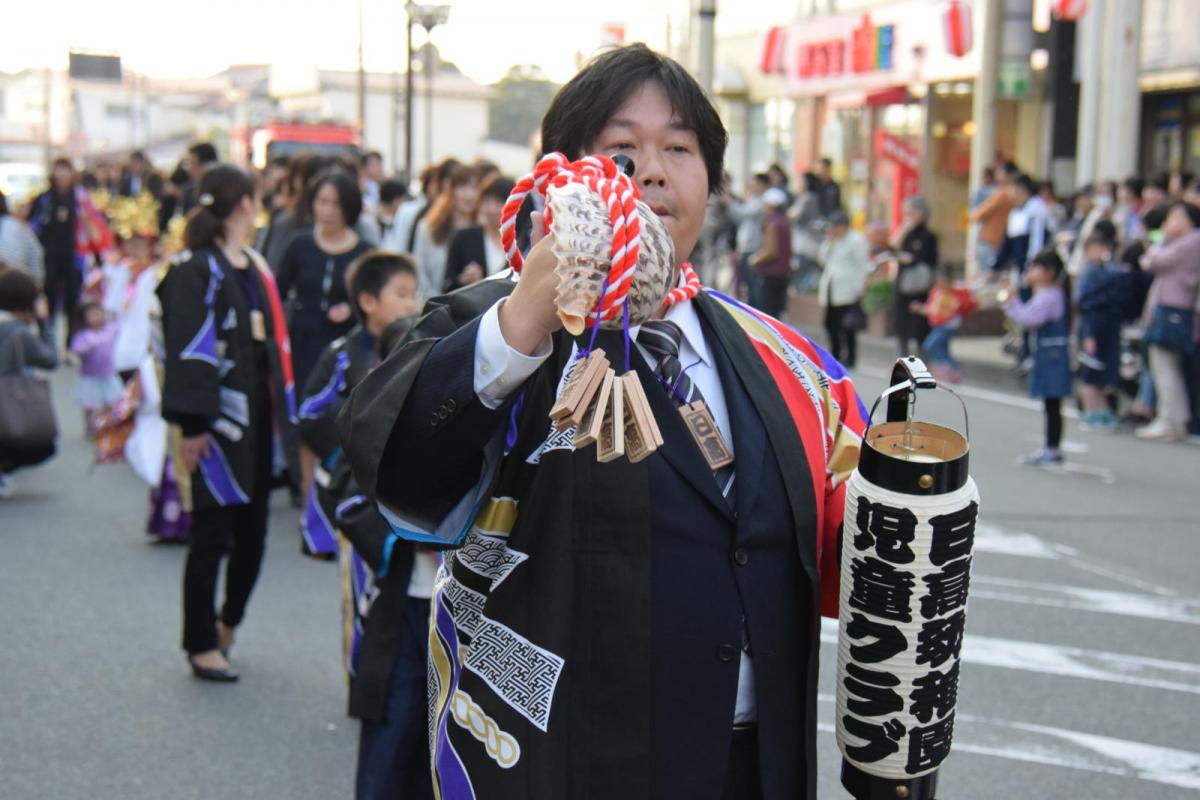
[(367, 302)]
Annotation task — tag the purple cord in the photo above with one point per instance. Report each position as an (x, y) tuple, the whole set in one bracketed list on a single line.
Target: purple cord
[(625, 309), (587, 351), (510, 440)]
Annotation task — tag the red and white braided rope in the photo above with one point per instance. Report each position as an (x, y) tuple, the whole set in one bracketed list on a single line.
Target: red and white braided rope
[(620, 195)]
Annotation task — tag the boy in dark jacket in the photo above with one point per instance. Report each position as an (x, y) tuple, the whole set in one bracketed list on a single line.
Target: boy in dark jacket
[(1101, 299), (387, 603)]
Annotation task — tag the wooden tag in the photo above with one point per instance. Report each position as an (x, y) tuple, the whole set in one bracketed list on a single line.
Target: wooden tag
[(708, 437), (597, 370), (258, 325), (650, 424), (588, 431), (639, 440), (611, 445), (582, 371)]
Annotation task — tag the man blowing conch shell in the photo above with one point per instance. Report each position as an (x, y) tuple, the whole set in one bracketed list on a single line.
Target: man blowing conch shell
[(619, 629)]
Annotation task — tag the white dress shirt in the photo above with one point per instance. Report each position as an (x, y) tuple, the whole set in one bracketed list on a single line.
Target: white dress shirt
[(499, 370)]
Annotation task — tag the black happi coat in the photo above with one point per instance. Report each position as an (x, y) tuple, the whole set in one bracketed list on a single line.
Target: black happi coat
[(218, 379), (641, 696)]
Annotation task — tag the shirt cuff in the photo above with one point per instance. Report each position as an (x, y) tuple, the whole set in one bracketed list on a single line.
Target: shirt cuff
[(499, 369)]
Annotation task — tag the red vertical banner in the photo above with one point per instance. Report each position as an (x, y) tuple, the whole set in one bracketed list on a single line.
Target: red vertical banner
[(906, 162)]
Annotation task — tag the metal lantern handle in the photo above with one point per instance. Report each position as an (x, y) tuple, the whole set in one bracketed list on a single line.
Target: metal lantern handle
[(908, 375)]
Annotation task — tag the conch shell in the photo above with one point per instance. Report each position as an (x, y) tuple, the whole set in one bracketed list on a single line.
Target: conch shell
[(583, 244)]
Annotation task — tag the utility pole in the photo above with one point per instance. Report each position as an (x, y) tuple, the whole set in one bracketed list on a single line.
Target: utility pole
[(1090, 35), (362, 80), (706, 12), (1120, 105), (983, 108), (408, 95)]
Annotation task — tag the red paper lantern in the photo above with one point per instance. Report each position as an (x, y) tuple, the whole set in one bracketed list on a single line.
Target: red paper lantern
[(958, 29), (770, 53), (1070, 10)]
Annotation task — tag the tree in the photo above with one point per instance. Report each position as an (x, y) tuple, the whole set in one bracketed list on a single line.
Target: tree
[(519, 100)]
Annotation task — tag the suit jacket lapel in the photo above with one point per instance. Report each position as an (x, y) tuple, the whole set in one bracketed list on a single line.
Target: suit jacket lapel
[(778, 427)]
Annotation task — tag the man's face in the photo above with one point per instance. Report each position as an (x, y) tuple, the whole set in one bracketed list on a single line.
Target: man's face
[(195, 167), (670, 169), (62, 178), (374, 169)]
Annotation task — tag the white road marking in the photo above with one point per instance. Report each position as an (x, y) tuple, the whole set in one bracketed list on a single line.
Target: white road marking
[(1077, 598), (993, 539), (1070, 662), (1058, 747)]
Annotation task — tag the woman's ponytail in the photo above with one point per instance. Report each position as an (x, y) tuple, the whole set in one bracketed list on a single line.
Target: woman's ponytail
[(221, 190)]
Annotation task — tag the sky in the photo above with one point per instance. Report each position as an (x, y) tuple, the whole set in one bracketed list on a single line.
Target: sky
[(172, 38)]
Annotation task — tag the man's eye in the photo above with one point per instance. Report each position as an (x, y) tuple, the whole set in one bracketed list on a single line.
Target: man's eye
[(621, 146), (680, 148)]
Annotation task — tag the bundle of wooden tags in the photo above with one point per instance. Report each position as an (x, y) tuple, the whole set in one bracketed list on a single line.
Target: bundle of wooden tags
[(607, 409)]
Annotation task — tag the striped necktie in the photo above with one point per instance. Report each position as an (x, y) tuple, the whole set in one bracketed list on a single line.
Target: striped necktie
[(662, 340)]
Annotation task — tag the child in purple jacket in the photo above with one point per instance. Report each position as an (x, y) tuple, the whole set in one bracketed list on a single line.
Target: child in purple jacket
[(97, 387)]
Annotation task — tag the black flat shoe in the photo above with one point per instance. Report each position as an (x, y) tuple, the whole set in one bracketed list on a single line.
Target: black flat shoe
[(225, 674)]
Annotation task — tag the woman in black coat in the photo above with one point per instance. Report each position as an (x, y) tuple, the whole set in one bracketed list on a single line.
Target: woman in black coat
[(312, 273), (476, 252), (917, 260)]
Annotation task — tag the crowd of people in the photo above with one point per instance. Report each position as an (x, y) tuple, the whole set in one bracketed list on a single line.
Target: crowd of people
[(251, 357)]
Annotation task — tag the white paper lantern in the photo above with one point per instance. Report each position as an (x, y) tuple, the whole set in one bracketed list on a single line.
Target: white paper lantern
[(911, 510)]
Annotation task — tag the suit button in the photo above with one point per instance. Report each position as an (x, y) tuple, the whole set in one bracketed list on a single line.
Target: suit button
[(451, 406), (434, 420), (741, 557), (727, 652)]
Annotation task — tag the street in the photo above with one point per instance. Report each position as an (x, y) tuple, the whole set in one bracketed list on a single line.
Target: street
[(1081, 674)]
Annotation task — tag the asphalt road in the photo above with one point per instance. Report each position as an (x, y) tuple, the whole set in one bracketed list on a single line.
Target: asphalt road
[(1081, 674)]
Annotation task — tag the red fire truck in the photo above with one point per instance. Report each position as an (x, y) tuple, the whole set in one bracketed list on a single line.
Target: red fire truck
[(258, 145)]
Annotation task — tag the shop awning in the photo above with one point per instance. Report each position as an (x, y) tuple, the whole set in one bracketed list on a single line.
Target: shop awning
[(894, 96)]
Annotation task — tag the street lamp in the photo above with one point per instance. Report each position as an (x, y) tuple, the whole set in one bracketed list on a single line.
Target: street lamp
[(428, 17)]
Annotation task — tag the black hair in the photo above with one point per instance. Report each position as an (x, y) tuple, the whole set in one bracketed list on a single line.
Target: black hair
[(349, 195), (81, 311), (221, 189), (62, 161), (776, 168), (1098, 238), (581, 108), (827, 161), (1106, 228), (394, 335), (811, 182), (1192, 212), (1027, 184), (391, 190), (484, 167), (3, 204), (1010, 168), (18, 290), (497, 187), (367, 156), (154, 184), (371, 271), (1161, 182), (1131, 255), (761, 177), (1049, 259), (1134, 185), (179, 176), (137, 155), (204, 152)]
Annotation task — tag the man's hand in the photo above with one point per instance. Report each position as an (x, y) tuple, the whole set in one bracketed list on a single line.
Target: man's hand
[(529, 315), (192, 449), (339, 313), (472, 273)]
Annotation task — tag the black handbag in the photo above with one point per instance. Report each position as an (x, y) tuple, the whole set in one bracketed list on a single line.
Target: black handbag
[(1171, 329), (854, 319), (26, 410)]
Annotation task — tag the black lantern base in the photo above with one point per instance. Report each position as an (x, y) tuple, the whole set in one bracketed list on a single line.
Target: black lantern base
[(869, 787)]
